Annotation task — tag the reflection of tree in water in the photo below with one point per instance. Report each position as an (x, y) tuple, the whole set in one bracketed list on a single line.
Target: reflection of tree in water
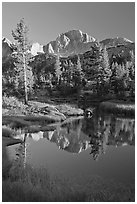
[(95, 147), (122, 132), (21, 153), (105, 130)]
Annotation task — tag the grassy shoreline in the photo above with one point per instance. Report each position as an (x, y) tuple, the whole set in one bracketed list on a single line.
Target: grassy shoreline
[(38, 116), (118, 107)]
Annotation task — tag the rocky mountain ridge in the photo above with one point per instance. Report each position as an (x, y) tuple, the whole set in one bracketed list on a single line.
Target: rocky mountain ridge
[(115, 41), (71, 43), (6, 47)]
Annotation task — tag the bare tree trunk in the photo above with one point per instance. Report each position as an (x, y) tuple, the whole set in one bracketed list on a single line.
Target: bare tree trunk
[(25, 80), (24, 151)]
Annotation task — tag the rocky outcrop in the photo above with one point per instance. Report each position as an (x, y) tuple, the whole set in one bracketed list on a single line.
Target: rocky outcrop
[(74, 42), (69, 43), (6, 47), (36, 49), (119, 47), (68, 110), (110, 42)]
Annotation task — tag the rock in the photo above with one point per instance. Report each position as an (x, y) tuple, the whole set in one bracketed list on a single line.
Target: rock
[(118, 46), (67, 110), (115, 41), (89, 112), (52, 111), (37, 136), (73, 41), (36, 49), (48, 134), (46, 109), (6, 47)]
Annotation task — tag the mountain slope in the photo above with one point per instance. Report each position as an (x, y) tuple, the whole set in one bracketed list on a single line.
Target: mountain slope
[(6, 47), (36, 49), (119, 47), (69, 43), (111, 42), (75, 42)]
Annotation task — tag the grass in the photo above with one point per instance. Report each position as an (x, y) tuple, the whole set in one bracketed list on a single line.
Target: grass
[(69, 110), (28, 185), (13, 105), (30, 118), (12, 102), (36, 185), (118, 107)]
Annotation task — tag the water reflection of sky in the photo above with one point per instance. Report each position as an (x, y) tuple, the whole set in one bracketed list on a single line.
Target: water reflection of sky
[(103, 145)]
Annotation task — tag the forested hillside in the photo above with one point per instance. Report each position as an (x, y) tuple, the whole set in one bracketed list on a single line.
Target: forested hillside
[(77, 62)]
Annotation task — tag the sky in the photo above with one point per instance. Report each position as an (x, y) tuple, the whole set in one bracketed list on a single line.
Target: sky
[(46, 20)]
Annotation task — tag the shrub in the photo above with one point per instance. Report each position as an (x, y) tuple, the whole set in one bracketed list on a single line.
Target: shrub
[(8, 102)]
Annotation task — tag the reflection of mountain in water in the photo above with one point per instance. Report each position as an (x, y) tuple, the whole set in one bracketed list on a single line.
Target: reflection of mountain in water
[(96, 133), (77, 135), (69, 137)]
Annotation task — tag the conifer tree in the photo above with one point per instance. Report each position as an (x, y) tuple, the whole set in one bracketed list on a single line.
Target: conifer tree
[(79, 68), (77, 73), (106, 65), (132, 66), (101, 68), (58, 71), (22, 55)]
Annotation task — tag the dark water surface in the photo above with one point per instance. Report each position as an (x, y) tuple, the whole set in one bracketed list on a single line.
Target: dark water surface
[(103, 146)]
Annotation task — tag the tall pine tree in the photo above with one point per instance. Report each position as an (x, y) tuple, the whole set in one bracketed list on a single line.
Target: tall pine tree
[(100, 68), (58, 71), (106, 65), (23, 56), (77, 73)]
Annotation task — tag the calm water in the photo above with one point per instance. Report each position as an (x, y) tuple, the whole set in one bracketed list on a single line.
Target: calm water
[(103, 146)]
